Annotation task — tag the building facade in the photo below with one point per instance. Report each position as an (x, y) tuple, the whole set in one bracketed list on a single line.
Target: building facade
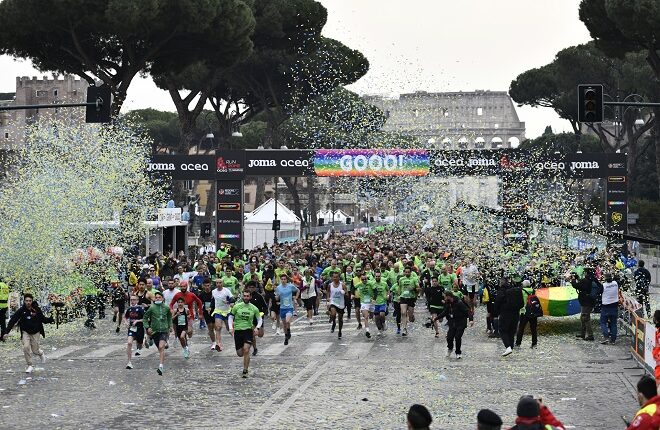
[(33, 91), (457, 120)]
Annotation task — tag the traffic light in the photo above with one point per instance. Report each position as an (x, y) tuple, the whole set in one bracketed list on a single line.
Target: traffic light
[(590, 103), (100, 111), (276, 224)]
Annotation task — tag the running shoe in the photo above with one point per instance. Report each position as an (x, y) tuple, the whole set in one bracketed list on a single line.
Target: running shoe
[(160, 369), (114, 318), (332, 329), (29, 369), (398, 331), (117, 329), (245, 373), (366, 333), (359, 326), (458, 356), (213, 346), (254, 352), (507, 351), (286, 340), (448, 354), (137, 353), (129, 365), (186, 353), (339, 335), (218, 347), (405, 332)]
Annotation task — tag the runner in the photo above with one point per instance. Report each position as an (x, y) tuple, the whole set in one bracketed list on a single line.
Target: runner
[(380, 292), (223, 299), (470, 279), (408, 287), (134, 316), (180, 322), (231, 282), (336, 298), (192, 301), (435, 299), (241, 327), (308, 294), (171, 290), (347, 278), (118, 302), (258, 300), (157, 321), (284, 294), (366, 291), (206, 297)]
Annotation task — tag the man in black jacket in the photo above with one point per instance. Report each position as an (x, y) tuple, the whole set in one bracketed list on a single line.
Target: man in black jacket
[(457, 313), (508, 303), (30, 320), (586, 296), (642, 281)]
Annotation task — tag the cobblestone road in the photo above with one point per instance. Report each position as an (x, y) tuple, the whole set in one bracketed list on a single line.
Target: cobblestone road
[(315, 382)]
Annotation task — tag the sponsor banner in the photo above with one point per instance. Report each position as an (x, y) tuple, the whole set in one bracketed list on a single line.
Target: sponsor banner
[(169, 216), (616, 208), (279, 162), (469, 162), (230, 164), (229, 213), (595, 165), (371, 162), (183, 166), (649, 341)]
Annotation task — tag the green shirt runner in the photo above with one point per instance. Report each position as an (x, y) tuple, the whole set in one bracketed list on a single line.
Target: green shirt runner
[(244, 315)]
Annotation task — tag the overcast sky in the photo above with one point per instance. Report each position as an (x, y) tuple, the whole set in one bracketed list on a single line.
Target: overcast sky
[(431, 45)]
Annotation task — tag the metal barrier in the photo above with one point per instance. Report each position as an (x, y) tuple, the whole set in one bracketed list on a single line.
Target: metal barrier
[(642, 332)]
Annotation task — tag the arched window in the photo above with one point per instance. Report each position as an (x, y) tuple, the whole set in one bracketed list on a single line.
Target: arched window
[(479, 143), (496, 142), (513, 142), (462, 143)]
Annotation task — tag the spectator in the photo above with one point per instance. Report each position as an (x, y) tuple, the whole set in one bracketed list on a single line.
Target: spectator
[(656, 346), (488, 420), (642, 281), (534, 415), (610, 309), (648, 417), (587, 289), (419, 418)]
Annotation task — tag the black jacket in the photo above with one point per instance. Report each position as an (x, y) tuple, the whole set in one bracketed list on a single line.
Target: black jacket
[(509, 301), (457, 312), (29, 321), (587, 289), (258, 300)]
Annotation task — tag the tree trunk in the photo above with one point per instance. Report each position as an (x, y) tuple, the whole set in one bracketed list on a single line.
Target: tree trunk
[(656, 141), (260, 194), (311, 191), (291, 185)]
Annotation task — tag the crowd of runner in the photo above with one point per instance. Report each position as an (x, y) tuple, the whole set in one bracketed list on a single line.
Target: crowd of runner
[(373, 281)]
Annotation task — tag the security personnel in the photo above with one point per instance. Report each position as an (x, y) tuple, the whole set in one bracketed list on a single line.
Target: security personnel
[(4, 304)]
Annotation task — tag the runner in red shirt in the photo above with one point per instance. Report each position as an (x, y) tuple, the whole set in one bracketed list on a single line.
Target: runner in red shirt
[(189, 298)]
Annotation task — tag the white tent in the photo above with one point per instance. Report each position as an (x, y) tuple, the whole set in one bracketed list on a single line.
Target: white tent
[(340, 216), (258, 227)]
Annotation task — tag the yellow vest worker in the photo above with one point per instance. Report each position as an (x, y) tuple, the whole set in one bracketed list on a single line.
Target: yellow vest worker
[(4, 295)]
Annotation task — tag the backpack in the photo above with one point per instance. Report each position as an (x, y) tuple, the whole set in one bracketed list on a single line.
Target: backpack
[(485, 298), (533, 307)]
